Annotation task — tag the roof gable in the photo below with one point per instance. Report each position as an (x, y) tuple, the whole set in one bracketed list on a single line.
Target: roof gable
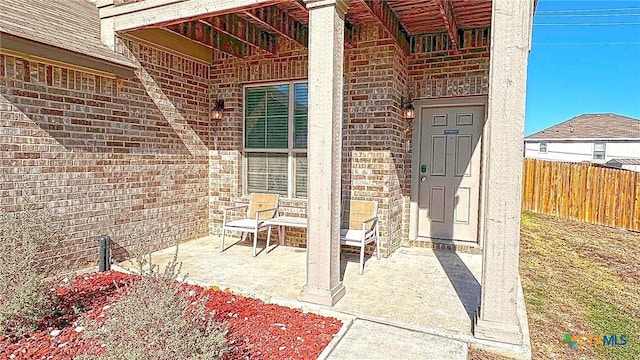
[(68, 25), (592, 126)]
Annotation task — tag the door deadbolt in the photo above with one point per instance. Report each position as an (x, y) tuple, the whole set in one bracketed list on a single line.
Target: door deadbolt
[(423, 168)]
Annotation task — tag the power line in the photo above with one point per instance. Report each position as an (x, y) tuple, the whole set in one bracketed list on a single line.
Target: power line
[(619, 43), (586, 15), (584, 10), (589, 24)]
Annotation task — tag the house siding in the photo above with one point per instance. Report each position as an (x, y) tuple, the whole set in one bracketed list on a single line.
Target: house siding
[(578, 151), (106, 155), (631, 167)]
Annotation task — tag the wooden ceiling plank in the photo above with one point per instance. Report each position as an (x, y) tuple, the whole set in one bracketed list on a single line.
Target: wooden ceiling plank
[(300, 6), (416, 15), (242, 30), (446, 11), (274, 19), (385, 16), (296, 9), (209, 37)]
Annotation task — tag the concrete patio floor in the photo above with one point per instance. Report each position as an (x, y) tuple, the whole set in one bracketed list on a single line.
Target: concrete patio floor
[(432, 291), (417, 303)]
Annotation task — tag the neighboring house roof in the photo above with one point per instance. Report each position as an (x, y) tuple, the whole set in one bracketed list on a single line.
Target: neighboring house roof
[(591, 126), (624, 161), (68, 25)]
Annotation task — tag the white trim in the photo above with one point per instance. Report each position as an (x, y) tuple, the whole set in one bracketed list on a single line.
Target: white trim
[(271, 151)]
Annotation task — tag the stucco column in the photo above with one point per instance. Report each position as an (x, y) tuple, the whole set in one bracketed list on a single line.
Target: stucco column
[(107, 32), (324, 153), (510, 42)]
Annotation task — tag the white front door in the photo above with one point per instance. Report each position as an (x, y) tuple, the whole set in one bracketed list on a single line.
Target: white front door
[(449, 172)]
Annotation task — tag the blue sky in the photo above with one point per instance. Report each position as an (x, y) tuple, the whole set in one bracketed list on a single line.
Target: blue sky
[(580, 66)]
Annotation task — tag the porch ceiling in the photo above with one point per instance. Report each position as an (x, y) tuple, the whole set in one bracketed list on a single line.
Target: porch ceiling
[(425, 16), (256, 30)]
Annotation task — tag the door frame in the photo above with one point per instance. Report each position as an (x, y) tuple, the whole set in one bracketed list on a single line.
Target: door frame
[(416, 141)]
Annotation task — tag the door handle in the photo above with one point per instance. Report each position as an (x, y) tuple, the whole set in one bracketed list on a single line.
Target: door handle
[(423, 178)]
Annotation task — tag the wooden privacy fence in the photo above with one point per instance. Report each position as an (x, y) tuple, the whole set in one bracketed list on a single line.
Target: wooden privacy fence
[(582, 192)]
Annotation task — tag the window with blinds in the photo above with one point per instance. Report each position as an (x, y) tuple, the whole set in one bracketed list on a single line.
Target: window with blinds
[(275, 139)]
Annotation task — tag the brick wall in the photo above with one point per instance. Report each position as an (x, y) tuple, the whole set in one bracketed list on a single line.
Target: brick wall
[(436, 71), (374, 151), (123, 157), (133, 157), (227, 77), (376, 162), (373, 127)]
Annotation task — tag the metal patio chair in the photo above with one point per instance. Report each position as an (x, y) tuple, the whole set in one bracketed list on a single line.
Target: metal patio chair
[(360, 226), (260, 208)]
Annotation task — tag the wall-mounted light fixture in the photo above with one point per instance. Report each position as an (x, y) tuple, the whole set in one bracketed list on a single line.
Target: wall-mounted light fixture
[(408, 112), (216, 110)]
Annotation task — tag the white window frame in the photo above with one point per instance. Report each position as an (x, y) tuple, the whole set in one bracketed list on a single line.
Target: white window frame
[(604, 150), (546, 147), (291, 151)]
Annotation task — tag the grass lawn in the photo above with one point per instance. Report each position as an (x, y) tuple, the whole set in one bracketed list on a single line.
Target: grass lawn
[(580, 279)]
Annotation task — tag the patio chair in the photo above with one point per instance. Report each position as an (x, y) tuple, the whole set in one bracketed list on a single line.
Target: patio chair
[(360, 226), (261, 207)]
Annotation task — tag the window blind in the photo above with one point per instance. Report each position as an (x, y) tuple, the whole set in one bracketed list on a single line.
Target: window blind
[(267, 117), (301, 175), (267, 172)]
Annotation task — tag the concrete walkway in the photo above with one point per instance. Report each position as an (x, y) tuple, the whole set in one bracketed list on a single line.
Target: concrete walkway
[(370, 340)]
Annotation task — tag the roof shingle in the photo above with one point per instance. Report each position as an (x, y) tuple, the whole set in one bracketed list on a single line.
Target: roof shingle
[(72, 25), (592, 126), (624, 161)]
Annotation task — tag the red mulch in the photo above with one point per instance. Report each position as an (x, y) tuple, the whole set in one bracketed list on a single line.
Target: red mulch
[(256, 330)]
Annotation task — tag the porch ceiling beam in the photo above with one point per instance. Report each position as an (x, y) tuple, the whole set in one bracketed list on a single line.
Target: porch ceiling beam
[(272, 18), (300, 5), (389, 21), (446, 12), (210, 37), (241, 29)]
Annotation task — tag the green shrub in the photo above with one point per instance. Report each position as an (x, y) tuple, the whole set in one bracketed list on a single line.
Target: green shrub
[(26, 239), (154, 319)]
